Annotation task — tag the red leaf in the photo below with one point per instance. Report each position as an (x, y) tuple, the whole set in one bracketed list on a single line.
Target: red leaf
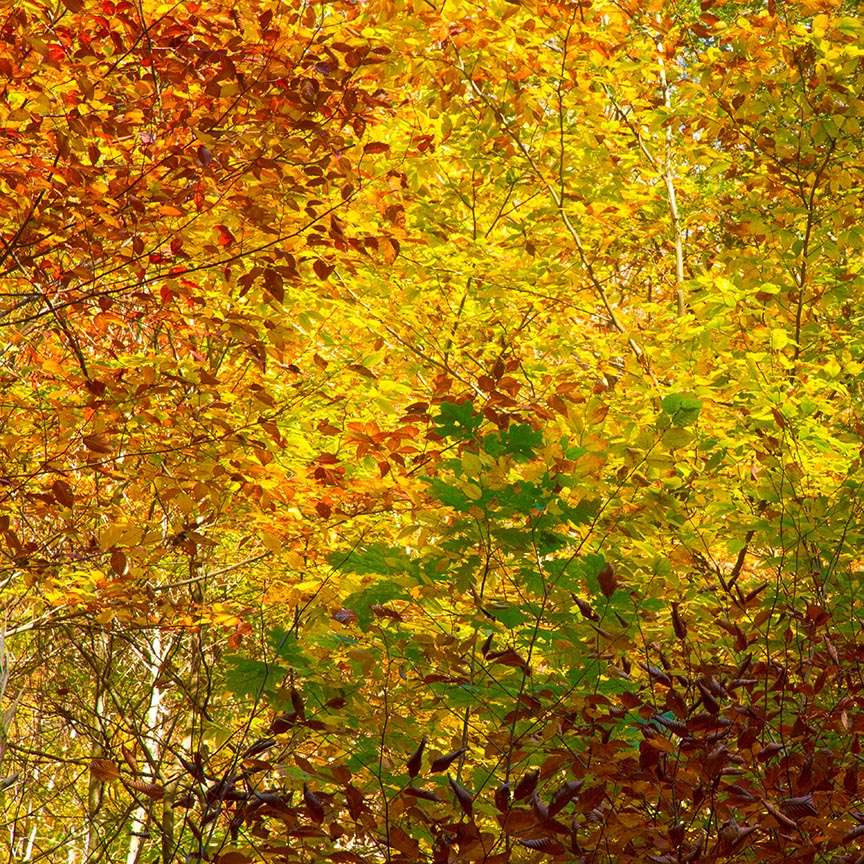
[(226, 238), (376, 147)]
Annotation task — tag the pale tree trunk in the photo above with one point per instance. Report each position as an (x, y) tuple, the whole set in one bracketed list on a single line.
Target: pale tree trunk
[(669, 181), (154, 718)]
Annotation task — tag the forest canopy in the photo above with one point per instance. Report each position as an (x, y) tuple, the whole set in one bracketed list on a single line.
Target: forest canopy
[(431, 431)]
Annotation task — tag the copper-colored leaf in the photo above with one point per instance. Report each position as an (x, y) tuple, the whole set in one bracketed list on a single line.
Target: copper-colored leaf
[(118, 561), (151, 790), (712, 706), (416, 758), (63, 493), (104, 770), (442, 763), (487, 644), (97, 443), (464, 797), (322, 269), (131, 761), (539, 808)]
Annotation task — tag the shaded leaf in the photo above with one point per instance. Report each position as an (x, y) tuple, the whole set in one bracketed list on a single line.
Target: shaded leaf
[(442, 763), (415, 759), (464, 797)]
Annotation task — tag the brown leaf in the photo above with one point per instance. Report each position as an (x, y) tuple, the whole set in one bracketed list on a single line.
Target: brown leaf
[(322, 269), (712, 706), (538, 808), (129, 756), (608, 580), (63, 493), (283, 723), (678, 624), (297, 704), (226, 237), (97, 443), (546, 845), (853, 834), (778, 814), (508, 657), (384, 612), (345, 616), (799, 808), (118, 562), (151, 790), (464, 797), (526, 786), (258, 747), (487, 644), (442, 763), (416, 758), (314, 805), (425, 794), (104, 770), (563, 795), (585, 609), (502, 798), (191, 768)]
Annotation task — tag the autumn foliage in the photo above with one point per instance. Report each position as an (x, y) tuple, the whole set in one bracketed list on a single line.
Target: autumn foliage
[(431, 432)]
